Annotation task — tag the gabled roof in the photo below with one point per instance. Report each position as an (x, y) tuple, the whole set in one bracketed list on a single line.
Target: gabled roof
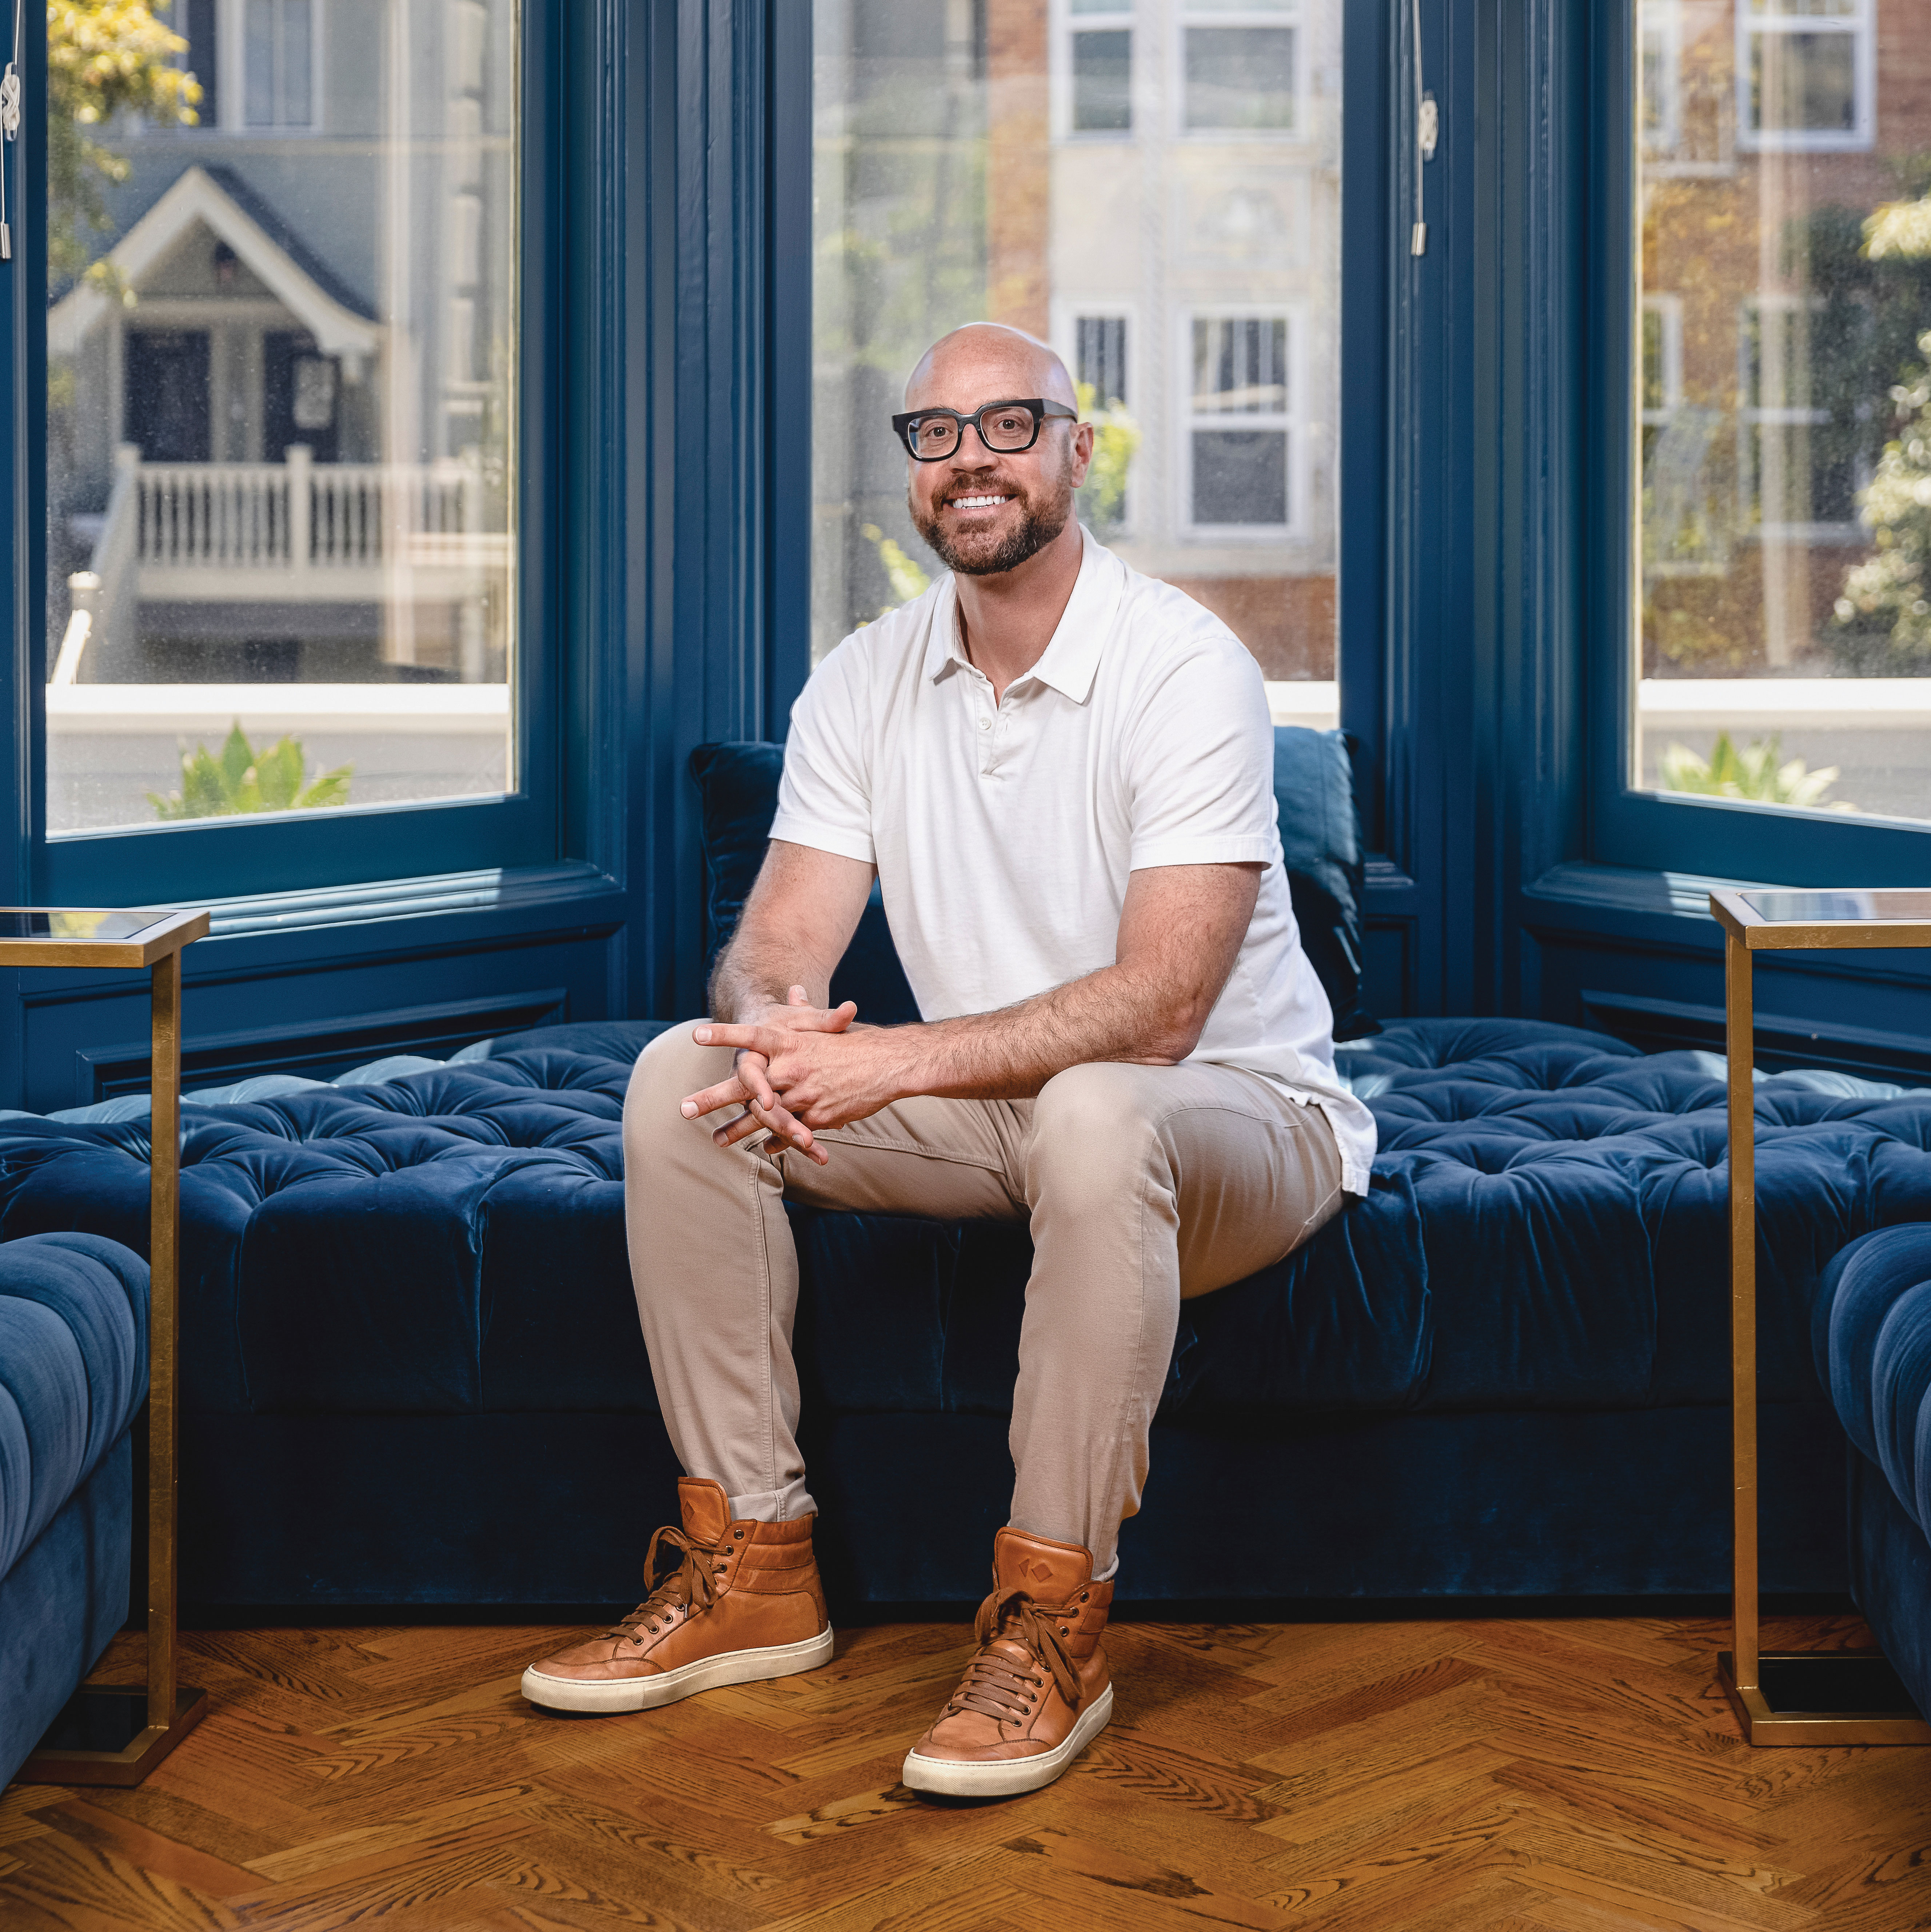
[(218, 199)]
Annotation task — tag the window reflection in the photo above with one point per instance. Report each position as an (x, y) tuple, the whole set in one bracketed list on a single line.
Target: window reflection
[(1153, 186), (280, 448), (1783, 653)]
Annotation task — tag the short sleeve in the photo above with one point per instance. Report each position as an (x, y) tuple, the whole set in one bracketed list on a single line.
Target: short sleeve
[(824, 799), (1200, 756)]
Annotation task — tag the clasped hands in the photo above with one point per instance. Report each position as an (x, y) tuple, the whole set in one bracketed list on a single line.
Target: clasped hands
[(798, 1066)]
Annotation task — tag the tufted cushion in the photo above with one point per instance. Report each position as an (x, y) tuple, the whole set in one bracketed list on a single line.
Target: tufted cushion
[(1872, 1332), (1546, 1230), (73, 1370), (1321, 845)]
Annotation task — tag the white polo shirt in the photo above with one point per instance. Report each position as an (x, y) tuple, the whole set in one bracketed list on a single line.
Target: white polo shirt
[(1004, 834)]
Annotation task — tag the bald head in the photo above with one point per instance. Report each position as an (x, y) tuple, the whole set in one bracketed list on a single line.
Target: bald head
[(987, 362)]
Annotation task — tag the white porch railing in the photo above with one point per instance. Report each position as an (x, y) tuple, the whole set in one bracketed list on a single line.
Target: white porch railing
[(301, 515)]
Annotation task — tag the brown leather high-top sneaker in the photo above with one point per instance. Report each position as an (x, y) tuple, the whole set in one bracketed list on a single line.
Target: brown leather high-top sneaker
[(745, 1603), (1037, 1692)]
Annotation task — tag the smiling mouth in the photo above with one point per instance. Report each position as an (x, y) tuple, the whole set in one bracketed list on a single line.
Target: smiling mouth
[(980, 503)]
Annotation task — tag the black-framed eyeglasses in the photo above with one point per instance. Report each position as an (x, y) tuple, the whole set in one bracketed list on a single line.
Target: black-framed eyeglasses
[(931, 436)]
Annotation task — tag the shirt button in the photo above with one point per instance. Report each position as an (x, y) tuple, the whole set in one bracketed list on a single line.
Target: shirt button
[(985, 724)]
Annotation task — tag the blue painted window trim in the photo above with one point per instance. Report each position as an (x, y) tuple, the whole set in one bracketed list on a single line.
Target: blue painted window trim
[(1722, 839), (237, 858)]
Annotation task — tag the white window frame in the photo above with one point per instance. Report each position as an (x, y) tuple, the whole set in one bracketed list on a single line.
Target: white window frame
[(1662, 21), (231, 55), (1232, 14), (1187, 420), (1121, 17), (1861, 25), (1750, 481)]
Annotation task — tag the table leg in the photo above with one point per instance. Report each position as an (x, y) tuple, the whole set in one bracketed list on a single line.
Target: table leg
[(164, 1333), (116, 1734), (1739, 1040)]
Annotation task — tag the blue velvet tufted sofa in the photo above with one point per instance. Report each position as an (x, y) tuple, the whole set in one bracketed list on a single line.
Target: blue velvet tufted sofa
[(1871, 1332), (412, 1371), (74, 1370)]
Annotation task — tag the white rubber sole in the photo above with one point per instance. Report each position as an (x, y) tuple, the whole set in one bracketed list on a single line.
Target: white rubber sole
[(708, 1673), (1007, 1777)]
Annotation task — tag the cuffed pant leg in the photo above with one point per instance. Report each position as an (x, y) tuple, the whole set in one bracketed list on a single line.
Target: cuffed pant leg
[(715, 1269), (716, 1276), (1145, 1184)]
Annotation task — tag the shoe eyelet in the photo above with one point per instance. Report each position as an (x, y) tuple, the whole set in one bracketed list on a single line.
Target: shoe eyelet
[(737, 1536)]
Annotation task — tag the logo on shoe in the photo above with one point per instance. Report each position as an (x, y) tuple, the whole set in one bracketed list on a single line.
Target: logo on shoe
[(1042, 1573)]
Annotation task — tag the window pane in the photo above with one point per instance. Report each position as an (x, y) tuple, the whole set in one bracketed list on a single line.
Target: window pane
[(1099, 356), (1103, 81), (1782, 652), (281, 396), (296, 53), (259, 39), (1240, 476), (1191, 286), (1803, 83), (1240, 77)]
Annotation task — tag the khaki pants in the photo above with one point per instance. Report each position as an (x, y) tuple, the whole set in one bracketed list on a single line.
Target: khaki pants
[(1142, 1185)]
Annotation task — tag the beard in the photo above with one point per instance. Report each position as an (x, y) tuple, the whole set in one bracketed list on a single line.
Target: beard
[(985, 552)]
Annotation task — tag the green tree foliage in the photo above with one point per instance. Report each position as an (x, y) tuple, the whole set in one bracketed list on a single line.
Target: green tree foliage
[(906, 578), (105, 58), (243, 779), (1754, 773), (1883, 616), (1116, 437)]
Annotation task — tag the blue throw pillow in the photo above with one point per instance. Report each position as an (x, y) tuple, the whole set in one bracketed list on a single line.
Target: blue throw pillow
[(1314, 787)]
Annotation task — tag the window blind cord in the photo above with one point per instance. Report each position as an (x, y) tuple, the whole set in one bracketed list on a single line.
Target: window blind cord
[(10, 127), (1428, 129)]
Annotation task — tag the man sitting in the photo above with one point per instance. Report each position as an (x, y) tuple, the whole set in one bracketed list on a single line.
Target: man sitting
[(1060, 772)]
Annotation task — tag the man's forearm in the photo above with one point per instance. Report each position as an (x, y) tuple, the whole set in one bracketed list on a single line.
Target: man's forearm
[(1113, 1014), (753, 973)]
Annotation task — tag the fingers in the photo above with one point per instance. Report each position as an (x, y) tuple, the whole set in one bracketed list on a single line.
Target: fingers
[(784, 1128), (727, 1093)]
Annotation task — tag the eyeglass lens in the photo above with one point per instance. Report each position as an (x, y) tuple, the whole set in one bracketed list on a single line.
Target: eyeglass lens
[(1007, 429)]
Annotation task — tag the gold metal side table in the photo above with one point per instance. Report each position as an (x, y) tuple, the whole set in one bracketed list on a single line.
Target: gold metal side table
[(116, 1734), (1787, 1697)]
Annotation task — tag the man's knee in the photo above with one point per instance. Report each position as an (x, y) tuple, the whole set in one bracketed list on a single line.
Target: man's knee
[(671, 1066), (1095, 1133)]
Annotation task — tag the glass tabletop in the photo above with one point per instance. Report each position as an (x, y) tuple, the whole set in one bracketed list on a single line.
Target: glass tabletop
[(75, 923), (1882, 903)]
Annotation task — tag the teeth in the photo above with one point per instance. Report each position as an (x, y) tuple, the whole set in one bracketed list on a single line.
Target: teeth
[(977, 502)]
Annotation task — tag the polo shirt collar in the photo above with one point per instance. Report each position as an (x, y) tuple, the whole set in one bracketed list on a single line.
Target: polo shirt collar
[(1071, 661)]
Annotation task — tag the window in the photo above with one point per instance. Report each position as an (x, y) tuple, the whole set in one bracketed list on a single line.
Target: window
[(1236, 432), (1099, 357), (1181, 279), (1237, 76), (1780, 653), (1801, 472), (1659, 24), (277, 42), (1100, 65), (1806, 74), (281, 459)]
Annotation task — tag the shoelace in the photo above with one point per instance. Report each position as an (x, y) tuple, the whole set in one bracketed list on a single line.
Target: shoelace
[(1001, 1687), (689, 1587)]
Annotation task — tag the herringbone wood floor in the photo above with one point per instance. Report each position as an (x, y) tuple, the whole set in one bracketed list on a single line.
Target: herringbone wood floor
[(1560, 1776)]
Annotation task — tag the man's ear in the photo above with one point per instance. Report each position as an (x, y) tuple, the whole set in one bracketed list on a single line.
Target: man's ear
[(1082, 452)]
